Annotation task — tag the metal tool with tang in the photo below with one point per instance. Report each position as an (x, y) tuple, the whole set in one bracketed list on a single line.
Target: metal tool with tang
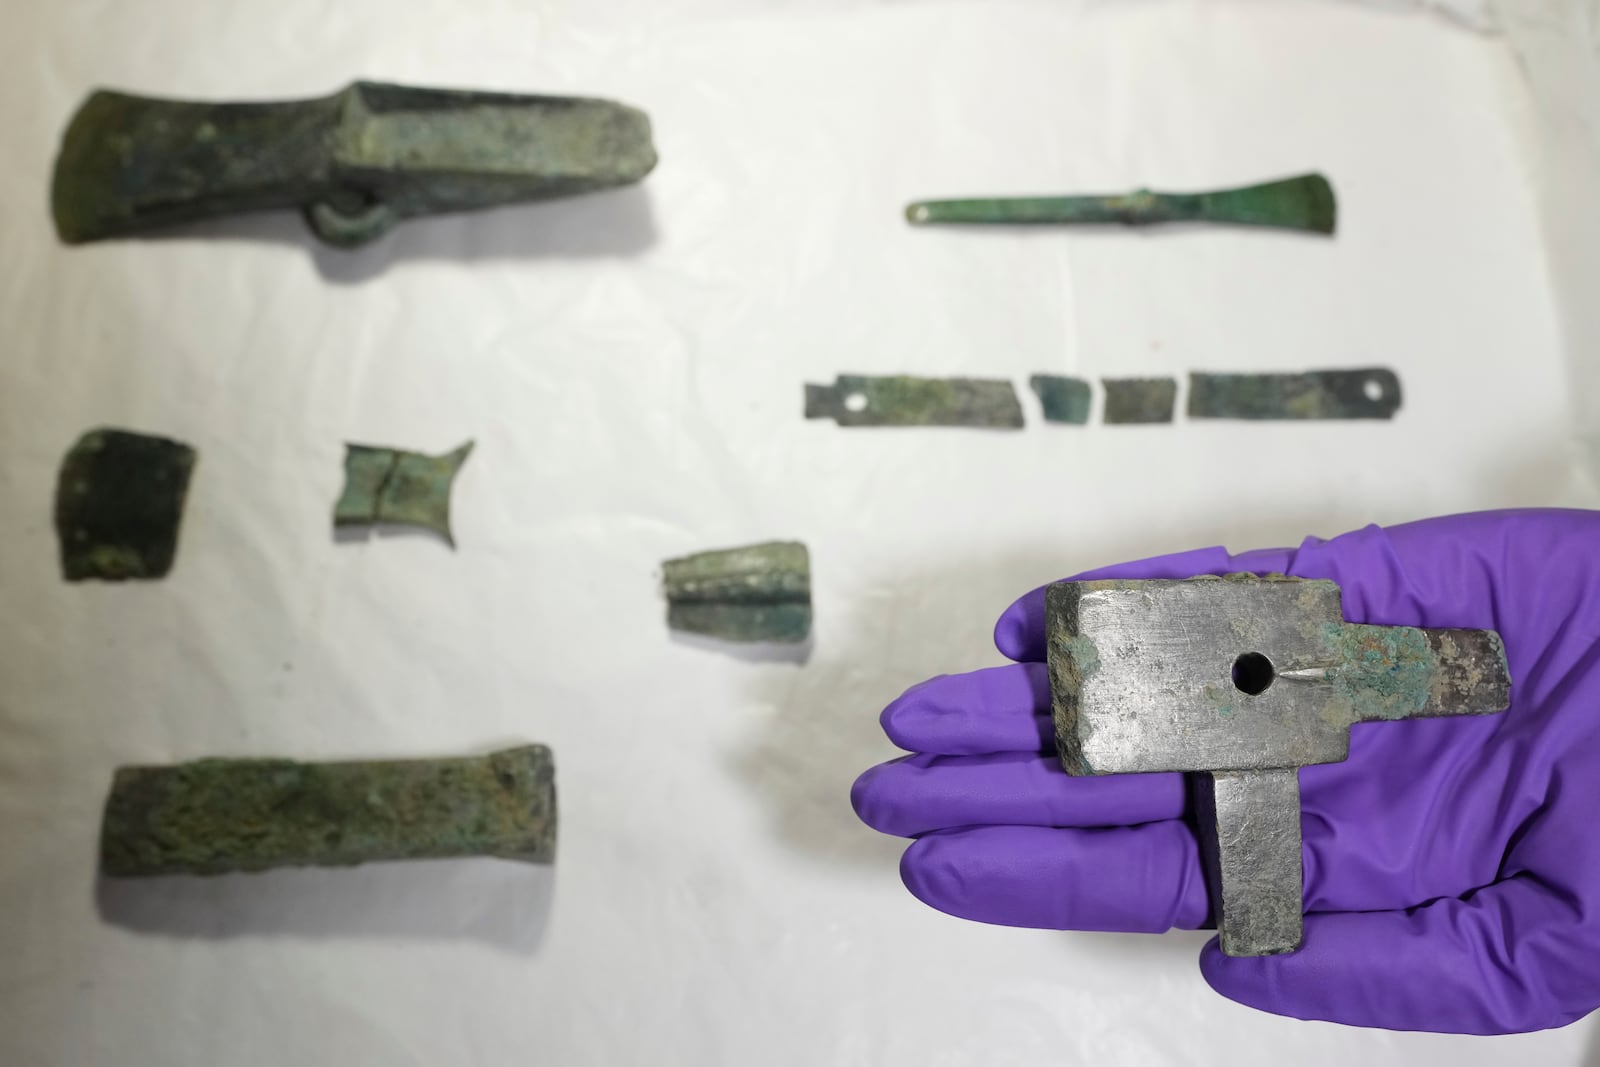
[(1245, 679), (1304, 203)]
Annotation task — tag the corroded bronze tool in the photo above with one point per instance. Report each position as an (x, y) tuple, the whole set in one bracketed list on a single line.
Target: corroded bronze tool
[(1302, 203), (218, 815), (356, 162)]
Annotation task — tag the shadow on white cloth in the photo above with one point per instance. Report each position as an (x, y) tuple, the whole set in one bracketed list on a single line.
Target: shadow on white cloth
[(497, 902), (616, 222)]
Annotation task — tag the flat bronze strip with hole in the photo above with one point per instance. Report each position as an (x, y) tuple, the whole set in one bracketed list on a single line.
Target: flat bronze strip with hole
[(1357, 393), (900, 400)]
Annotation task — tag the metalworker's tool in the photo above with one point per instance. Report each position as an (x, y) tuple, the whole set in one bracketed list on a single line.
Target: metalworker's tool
[(1302, 203), (1245, 679)]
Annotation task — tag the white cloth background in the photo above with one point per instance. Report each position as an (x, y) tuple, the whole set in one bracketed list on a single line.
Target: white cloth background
[(631, 366)]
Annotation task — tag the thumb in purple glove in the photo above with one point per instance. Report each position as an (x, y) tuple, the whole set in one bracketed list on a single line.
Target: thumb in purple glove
[(1451, 866)]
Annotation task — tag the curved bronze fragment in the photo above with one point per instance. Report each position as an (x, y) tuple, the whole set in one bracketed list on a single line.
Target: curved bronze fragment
[(355, 162), (754, 593), (388, 485)]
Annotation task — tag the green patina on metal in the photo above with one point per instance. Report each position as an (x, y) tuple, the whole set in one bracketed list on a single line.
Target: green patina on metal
[(119, 504), (1358, 393), (1384, 672), (1082, 658), (213, 816), (859, 400), (1063, 399), (1140, 400), (1073, 659), (387, 485), (754, 593), (356, 162), (1305, 202)]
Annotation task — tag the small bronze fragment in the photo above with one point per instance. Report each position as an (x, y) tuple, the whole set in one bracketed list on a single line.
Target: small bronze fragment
[(1140, 400), (218, 815), (755, 593), (1301, 203), (356, 162), (1063, 399), (388, 485), (858, 400), (119, 503), (1361, 393)]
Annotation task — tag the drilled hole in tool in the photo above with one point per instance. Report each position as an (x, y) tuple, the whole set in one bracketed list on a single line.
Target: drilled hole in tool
[(855, 402), (1373, 389), (1252, 673)]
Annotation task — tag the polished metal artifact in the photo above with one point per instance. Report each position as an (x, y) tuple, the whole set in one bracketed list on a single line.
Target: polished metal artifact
[(1359, 393), (1245, 679), (1301, 203), (1139, 400), (858, 400), (356, 162), (119, 503), (388, 485), (1063, 399), (755, 593), (218, 815)]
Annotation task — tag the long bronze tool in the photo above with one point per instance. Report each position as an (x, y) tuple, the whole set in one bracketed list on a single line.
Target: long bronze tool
[(213, 816), (1245, 679), (356, 162), (1301, 203)]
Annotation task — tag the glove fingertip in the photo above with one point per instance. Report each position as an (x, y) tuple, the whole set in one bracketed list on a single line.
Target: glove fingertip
[(866, 800), (1019, 633), (929, 877), (889, 721), (1309, 983), (1241, 979)]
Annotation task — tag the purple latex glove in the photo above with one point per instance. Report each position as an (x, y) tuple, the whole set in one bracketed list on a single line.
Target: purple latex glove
[(1452, 866)]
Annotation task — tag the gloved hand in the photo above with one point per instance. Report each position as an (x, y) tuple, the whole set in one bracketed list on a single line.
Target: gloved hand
[(1452, 866)]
